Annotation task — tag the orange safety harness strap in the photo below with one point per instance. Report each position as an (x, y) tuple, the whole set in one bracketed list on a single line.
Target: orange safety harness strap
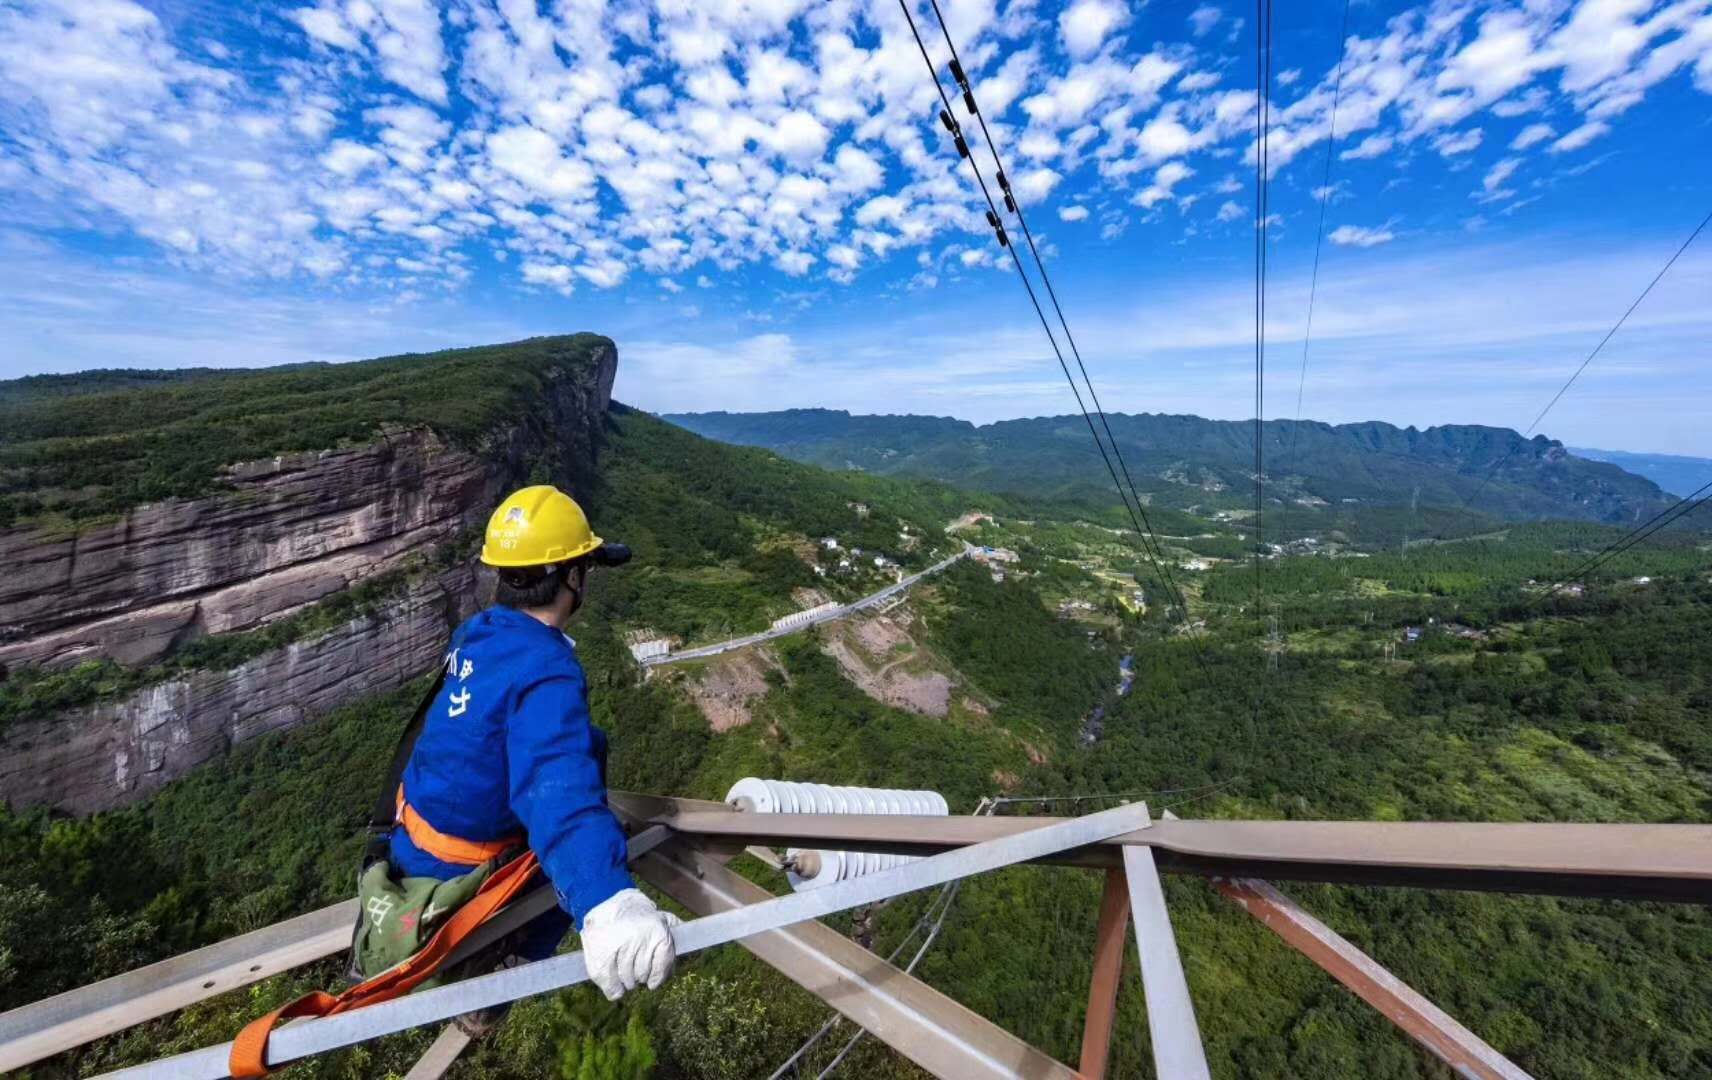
[(249, 1049), (445, 846)]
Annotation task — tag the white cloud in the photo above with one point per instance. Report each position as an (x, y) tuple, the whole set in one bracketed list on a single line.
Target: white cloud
[(1085, 24), (604, 273), (535, 159), (1073, 213), (326, 26), (1460, 142), (348, 158), (1502, 57), (404, 36), (1580, 137), (556, 276), (1164, 137), (1035, 185), (858, 170), (672, 138), (1533, 133), (798, 136), (1230, 211), (1361, 236), (1165, 178), (1371, 147), (1492, 184)]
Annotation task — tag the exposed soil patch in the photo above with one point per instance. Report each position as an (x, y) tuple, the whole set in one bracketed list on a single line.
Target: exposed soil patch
[(877, 654), (880, 636), (726, 690)]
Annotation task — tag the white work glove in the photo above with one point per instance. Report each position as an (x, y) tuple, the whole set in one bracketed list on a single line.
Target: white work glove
[(627, 941)]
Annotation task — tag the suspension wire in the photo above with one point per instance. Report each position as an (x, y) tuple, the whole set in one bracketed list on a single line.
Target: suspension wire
[(1262, 124), (1004, 242), (935, 913), (1262, 162), (1014, 205), (909, 969), (1097, 796), (1262, 215), (1320, 233), (1468, 503), (1668, 516), (940, 903)]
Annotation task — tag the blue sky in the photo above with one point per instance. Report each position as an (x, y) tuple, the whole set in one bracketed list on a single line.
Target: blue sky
[(755, 199)]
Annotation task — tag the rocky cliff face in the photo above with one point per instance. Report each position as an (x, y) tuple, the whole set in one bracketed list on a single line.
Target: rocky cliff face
[(292, 531), (110, 754), (289, 531)]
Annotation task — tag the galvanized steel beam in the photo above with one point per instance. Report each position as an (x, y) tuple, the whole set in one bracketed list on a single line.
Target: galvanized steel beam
[(439, 1057), (1464, 1051), (1102, 1010), (1177, 1052), (67, 1020), (932, 1030), (308, 1037), (1622, 861)]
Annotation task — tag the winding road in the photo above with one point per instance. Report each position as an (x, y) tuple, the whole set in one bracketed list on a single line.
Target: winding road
[(872, 600)]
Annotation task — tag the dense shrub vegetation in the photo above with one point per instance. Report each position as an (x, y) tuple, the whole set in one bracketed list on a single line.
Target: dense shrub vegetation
[(1506, 705), (1597, 716), (87, 445)]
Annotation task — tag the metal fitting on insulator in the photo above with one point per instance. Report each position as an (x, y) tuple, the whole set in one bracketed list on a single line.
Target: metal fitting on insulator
[(812, 869), (1010, 203), (1004, 240), (962, 147), (969, 102), (957, 74), (992, 219), (1004, 183), (945, 118)]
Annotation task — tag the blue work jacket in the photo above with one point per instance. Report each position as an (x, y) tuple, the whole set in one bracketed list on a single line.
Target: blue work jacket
[(508, 750)]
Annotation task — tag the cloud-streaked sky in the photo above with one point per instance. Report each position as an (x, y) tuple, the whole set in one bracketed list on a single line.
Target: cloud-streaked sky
[(756, 199)]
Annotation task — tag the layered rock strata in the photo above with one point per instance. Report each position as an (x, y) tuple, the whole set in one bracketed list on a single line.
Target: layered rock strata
[(115, 752), (282, 534)]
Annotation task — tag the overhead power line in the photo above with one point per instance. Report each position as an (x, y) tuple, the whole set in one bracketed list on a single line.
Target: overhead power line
[(1668, 516), (1262, 164), (1469, 502), (1012, 204), (1262, 218), (1320, 231), (1619, 325), (1133, 510)]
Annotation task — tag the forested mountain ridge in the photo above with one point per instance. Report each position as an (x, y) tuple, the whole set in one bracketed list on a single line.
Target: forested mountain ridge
[(1191, 461)]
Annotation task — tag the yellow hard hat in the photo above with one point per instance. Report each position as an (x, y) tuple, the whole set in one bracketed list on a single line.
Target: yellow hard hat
[(538, 526)]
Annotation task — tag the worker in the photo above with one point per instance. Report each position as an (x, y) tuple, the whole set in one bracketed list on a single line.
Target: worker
[(508, 754)]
